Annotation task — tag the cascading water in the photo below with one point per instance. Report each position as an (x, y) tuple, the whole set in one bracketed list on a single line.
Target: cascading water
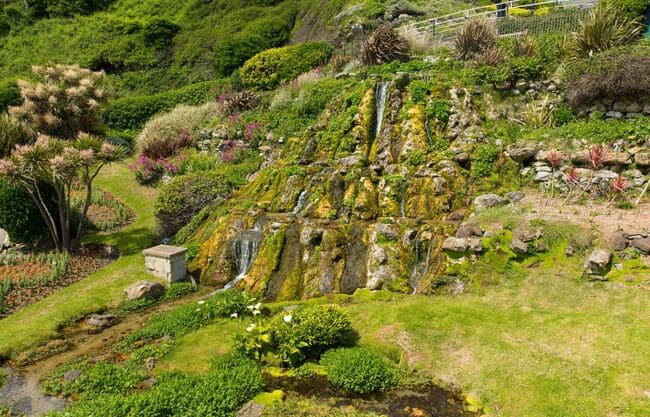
[(381, 96), (420, 266), (302, 201), (245, 247), (402, 202)]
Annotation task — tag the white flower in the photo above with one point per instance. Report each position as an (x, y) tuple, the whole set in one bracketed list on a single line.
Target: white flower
[(201, 302), (258, 306), (233, 315), (256, 312), (287, 318), (251, 307), (198, 309), (250, 327)]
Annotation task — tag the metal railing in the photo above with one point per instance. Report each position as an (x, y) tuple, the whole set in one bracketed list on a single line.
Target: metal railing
[(511, 17)]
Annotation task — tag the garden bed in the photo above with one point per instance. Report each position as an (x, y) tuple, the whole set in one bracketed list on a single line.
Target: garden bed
[(105, 213), (26, 278)]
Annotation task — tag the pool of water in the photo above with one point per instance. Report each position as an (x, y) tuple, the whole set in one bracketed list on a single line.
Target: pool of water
[(23, 395)]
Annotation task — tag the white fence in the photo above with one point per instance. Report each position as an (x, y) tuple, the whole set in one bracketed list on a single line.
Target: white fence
[(512, 17)]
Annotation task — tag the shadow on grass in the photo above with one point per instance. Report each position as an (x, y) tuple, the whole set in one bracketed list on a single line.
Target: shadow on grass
[(129, 241)]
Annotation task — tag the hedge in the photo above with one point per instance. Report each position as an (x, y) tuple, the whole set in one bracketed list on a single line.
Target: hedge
[(268, 69), (133, 112)]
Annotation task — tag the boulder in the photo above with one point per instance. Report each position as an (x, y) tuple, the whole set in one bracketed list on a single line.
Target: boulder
[(642, 244), (98, 322), (518, 246), (251, 409), (465, 231), (598, 263), (515, 196), (489, 200), (642, 159), (4, 239), (475, 245), (144, 289), (71, 375), (542, 176), (522, 155), (455, 244), (620, 242)]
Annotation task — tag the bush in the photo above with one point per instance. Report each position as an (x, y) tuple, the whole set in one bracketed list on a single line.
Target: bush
[(359, 370), (9, 95), (133, 112), (614, 76), (316, 328), (383, 46), (185, 196), (474, 37), (603, 28), (165, 135), (159, 33), (268, 69), (237, 102), (260, 34), (13, 133), (19, 215)]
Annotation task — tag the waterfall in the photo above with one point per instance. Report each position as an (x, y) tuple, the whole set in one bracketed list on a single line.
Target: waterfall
[(420, 266), (381, 95), (245, 247), (302, 200), (402, 201)]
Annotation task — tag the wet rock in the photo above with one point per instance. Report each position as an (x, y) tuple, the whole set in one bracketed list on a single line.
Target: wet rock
[(455, 244), (489, 200), (598, 263), (385, 232), (144, 289), (71, 375), (642, 244), (98, 322), (518, 246), (251, 409)]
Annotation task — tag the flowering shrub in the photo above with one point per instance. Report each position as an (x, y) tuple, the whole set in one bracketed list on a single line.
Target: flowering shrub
[(149, 171), (290, 339)]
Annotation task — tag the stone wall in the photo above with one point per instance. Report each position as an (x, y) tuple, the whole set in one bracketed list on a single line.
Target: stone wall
[(611, 109)]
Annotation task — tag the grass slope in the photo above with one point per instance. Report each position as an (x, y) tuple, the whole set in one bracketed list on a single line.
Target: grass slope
[(39, 322), (548, 345)]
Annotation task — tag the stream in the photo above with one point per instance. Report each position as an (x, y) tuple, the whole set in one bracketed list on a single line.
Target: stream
[(22, 393)]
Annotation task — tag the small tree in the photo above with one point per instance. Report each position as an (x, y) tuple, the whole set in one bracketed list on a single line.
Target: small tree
[(65, 102), (64, 166)]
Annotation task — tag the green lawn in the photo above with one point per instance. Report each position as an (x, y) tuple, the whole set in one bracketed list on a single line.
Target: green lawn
[(39, 322), (548, 345)]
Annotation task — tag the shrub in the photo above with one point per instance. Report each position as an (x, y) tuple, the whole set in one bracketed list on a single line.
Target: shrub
[(383, 46), (237, 102), (65, 102), (603, 28), (133, 112), (159, 33), (261, 34), (167, 134), (562, 114), (185, 196), (483, 159), (359, 370), (268, 69), (9, 95), (474, 37), (13, 133), (19, 215), (316, 328), (609, 76)]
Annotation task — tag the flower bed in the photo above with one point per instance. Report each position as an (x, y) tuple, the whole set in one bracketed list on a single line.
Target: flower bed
[(25, 279)]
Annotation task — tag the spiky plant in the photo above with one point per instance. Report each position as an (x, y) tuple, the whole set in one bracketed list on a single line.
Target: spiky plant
[(525, 46), (238, 101), (490, 56), (604, 27), (384, 45), (474, 37)]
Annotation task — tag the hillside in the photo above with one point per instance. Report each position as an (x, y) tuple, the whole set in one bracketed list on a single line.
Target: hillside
[(447, 219)]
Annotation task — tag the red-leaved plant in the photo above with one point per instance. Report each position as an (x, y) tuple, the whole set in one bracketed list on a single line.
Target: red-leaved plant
[(596, 155), (618, 185), (555, 158)]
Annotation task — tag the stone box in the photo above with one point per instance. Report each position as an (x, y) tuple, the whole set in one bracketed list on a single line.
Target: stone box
[(166, 262)]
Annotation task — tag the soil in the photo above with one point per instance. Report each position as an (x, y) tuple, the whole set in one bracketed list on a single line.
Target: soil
[(600, 216)]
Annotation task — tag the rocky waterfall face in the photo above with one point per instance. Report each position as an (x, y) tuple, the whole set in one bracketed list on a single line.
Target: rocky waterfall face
[(367, 216)]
